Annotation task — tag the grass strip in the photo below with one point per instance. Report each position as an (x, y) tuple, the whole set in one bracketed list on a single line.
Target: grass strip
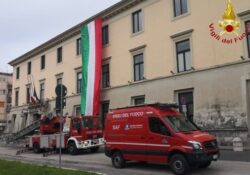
[(18, 168)]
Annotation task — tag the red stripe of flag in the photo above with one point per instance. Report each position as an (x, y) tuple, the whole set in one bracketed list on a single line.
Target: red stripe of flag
[(98, 54)]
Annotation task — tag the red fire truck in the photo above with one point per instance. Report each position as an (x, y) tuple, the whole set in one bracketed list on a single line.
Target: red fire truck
[(157, 133), (84, 132)]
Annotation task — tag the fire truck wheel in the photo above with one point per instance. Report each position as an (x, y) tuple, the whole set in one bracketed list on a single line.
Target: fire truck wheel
[(72, 149), (94, 149), (205, 165), (118, 160), (179, 164), (36, 148)]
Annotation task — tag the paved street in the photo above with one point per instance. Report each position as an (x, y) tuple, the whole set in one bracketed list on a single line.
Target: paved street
[(100, 163)]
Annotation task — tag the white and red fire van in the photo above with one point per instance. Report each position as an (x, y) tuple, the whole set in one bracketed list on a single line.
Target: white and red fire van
[(84, 133), (157, 133)]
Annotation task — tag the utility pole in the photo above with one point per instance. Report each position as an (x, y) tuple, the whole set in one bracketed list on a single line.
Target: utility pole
[(61, 92), (61, 119)]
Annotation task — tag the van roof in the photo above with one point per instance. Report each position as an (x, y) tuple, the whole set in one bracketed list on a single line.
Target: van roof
[(159, 105)]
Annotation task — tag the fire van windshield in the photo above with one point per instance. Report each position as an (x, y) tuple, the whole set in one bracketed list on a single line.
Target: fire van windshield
[(180, 123), (91, 123)]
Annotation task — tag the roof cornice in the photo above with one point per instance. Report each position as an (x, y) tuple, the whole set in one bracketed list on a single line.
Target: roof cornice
[(6, 74), (105, 15)]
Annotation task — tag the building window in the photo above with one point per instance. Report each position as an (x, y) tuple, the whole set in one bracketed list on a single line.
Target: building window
[(59, 81), (42, 91), (139, 100), (248, 37), (78, 46), (186, 103), (9, 95), (16, 97), (17, 72), (105, 76), (29, 68), (138, 67), (2, 92), (79, 82), (77, 110), (183, 54), (180, 7), (105, 35), (28, 94), (137, 21), (59, 55), (42, 62), (104, 111)]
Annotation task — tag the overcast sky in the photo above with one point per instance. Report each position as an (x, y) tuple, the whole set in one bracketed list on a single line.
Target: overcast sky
[(25, 24)]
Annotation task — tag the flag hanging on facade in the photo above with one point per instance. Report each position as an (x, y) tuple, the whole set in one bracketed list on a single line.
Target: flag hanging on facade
[(33, 96), (91, 67)]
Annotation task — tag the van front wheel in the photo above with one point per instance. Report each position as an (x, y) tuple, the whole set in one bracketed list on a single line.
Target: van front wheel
[(72, 149), (179, 164), (118, 160)]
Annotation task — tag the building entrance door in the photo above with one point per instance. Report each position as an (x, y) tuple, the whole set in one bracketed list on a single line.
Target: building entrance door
[(24, 120), (13, 123), (104, 111), (186, 104)]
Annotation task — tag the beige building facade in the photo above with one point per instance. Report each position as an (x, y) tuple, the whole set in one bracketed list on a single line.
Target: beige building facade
[(153, 51), (5, 98)]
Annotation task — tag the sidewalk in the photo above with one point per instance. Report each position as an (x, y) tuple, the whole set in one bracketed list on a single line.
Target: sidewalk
[(235, 156)]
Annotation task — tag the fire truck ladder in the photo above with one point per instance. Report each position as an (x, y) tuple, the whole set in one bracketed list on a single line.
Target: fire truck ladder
[(35, 125)]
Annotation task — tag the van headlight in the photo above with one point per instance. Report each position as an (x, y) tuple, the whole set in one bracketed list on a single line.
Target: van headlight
[(195, 145)]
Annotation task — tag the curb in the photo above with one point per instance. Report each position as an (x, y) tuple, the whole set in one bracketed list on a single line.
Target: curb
[(230, 148)]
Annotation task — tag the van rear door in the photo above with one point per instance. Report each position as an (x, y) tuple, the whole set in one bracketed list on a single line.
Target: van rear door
[(157, 140)]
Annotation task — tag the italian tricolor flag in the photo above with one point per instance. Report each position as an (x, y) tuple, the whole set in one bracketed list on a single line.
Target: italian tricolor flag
[(91, 67)]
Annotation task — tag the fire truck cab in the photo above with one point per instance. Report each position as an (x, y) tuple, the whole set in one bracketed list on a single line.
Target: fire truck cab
[(157, 133), (85, 133)]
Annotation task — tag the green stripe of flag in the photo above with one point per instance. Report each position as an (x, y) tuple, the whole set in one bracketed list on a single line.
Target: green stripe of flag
[(85, 62)]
